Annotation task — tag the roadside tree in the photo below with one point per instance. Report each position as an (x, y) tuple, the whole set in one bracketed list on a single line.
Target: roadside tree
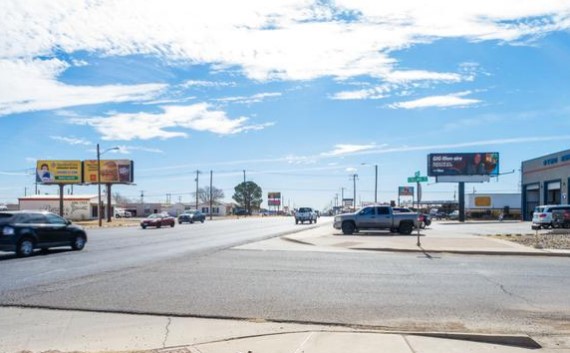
[(248, 195)]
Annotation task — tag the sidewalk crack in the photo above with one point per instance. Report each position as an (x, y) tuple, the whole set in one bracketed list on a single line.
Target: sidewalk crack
[(167, 332)]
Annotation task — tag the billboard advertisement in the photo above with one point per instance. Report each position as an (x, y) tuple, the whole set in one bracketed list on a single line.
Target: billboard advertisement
[(274, 198), (273, 195), (274, 202), (58, 172), (113, 171), (463, 164), (405, 191)]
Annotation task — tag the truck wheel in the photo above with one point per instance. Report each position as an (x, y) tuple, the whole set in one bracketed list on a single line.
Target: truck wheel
[(406, 228), (315, 220), (296, 221), (348, 228)]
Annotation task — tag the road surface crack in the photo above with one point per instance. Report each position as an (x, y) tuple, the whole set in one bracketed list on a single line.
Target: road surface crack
[(513, 295)]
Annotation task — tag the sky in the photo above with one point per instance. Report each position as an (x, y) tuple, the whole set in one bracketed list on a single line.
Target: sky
[(301, 95)]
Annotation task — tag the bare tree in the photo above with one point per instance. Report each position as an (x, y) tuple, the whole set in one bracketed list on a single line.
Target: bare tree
[(204, 194), (120, 199)]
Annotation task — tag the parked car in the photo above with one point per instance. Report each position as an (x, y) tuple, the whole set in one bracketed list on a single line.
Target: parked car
[(377, 217), (424, 220), (542, 216), (24, 231), (191, 217), (241, 212), (158, 220), (454, 216)]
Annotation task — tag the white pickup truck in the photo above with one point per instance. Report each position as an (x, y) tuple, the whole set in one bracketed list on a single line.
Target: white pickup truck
[(377, 217), (305, 214)]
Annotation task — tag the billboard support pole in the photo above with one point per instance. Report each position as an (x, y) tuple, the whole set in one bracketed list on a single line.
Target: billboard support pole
[(461, 202), (61, 199), (109, 202)]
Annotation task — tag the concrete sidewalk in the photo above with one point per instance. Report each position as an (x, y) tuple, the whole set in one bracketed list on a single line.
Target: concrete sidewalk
[(40, 330), (435, 239)]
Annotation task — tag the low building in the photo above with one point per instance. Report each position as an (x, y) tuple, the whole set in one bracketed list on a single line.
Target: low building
[(545, 181), (75, 207), (486, 205)]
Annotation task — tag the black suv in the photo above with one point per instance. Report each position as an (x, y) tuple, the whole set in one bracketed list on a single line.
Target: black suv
[(191, 217), (24, 231)]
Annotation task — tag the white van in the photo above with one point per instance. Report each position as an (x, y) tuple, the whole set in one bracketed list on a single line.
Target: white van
[(542, 215)]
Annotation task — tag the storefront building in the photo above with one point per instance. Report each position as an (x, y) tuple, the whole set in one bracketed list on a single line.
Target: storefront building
[(545, 181)]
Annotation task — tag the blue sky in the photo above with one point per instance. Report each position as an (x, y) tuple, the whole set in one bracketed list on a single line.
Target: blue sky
[(300, 94)]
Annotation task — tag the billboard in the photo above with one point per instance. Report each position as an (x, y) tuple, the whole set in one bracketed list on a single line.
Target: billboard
[(113, 171), (463, 164), (273, 195), (405, 191), (274, 198), (58, 172)]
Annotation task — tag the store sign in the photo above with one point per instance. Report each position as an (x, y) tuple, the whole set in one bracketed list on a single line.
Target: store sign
[(463, 164), (58, 172), (114, 171)]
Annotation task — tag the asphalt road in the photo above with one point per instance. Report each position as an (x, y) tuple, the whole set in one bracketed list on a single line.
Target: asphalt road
[(182, 271)]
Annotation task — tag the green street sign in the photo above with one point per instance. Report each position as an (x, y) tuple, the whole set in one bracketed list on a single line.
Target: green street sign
[(418, 179)]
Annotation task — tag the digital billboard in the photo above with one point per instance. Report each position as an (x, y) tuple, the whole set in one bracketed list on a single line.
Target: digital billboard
[(58, 172), (113, 171), (463, 164), (405, 191)]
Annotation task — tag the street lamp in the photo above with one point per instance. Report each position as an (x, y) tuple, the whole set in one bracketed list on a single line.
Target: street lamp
[(99, 180), (375, 181)]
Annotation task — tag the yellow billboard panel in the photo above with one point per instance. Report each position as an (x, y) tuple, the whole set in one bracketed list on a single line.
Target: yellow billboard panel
[(482, 201), (58, 172), (113, 171)]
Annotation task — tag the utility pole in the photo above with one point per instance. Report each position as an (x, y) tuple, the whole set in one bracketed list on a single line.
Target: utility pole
[(245, 194), (197, 180), (376, 183), (211, 194), (354, 176)]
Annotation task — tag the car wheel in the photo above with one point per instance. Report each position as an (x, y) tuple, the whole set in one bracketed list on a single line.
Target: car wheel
[(143, 226), (296, 221), (172, 224), (406, 228), (315, 220), (348, 228), (191, 222), (25, 247), (179, 222), (78, 243), (202, 220), (158, 225)]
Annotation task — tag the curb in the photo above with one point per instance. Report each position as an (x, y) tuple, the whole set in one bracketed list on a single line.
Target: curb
[(468, 252), (460, 252), (297, 241)]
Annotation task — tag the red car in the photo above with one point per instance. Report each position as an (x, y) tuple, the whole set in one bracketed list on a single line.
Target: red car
[(158, 220)]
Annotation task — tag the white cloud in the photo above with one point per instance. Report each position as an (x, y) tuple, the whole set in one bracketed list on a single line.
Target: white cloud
[(289, 39), (201, 83), (420, 75), (144, 126), (31, 85), (343, 149), (124, 149), (71, 140), (451, 100), (256, 98), (370, 93)]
